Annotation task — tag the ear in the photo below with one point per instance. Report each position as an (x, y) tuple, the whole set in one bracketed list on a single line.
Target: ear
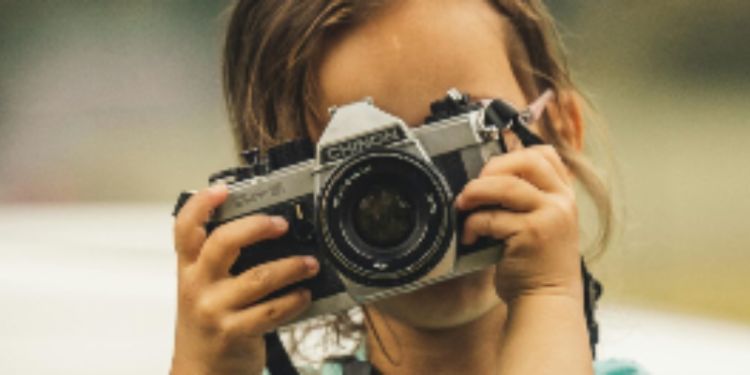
[(567, 119)]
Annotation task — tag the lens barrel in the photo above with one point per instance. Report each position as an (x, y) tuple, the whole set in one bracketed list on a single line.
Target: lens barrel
[(385, 218)]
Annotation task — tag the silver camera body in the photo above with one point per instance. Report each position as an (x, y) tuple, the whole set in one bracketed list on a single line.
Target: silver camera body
[(375, 204)]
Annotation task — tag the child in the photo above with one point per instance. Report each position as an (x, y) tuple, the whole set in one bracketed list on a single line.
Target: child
[(286, 62)]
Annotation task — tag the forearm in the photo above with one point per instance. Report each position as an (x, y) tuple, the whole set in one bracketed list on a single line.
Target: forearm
[(545, 334)]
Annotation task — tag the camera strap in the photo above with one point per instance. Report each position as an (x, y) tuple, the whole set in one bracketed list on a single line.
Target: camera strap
[(277, 359)]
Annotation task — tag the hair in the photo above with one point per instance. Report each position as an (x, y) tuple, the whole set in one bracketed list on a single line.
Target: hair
[(270, 83)]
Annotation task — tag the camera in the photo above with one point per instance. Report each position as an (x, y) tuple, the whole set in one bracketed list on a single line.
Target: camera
[(373, 201)]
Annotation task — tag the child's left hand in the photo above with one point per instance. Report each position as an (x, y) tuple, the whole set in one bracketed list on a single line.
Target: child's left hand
[(535, 213)]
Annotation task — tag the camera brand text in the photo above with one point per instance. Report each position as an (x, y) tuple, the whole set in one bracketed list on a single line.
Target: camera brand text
[(359, 144)]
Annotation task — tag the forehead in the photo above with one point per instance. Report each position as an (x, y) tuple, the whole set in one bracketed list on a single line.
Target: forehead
[(412, 52)]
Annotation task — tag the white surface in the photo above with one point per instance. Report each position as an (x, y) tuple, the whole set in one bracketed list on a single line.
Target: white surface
[(90, 290), (665, 343)]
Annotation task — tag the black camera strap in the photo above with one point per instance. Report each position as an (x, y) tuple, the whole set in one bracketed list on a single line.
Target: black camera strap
[(277, 359)]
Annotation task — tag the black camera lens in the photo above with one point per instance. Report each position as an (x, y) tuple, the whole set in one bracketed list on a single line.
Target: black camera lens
[(384, 216)]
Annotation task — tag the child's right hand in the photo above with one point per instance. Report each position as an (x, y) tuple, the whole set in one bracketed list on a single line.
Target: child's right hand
[(220, 325)]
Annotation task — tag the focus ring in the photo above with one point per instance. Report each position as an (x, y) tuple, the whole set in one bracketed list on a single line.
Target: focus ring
[(424, 245)]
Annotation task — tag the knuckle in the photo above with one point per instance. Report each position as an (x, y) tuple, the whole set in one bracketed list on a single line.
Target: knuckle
[(567, 207), (224, 340), (226, 333), (189, 237), (296, 299), (198, 235), (552, 155), (570, 191), (187, 299), (187, 287), (537, 159), (258, 277), (512, 187), (564, 204), (532, 228), (222, 237), (524, 152), (472, 221), (186, 293), (493, 160), (485, 224), (272, 313), (302, 299), (494, 224), (207, 312), (536, 233), (491, 164), (548, 150), (180, 226)]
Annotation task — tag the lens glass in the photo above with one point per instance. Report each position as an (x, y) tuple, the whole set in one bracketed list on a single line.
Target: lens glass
[(384, 216)]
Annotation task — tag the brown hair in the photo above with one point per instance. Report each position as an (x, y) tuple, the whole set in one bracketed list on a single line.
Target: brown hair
[(270, 84)]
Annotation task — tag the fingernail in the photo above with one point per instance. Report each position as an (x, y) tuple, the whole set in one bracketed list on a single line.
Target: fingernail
[(458, 201), (311, 263), (279, 222)]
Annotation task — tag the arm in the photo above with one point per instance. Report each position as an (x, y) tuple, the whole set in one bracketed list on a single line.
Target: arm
[(220, 321), (539, 277), (545, 334)]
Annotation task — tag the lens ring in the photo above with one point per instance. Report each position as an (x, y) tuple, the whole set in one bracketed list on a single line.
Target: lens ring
[(406, 256)]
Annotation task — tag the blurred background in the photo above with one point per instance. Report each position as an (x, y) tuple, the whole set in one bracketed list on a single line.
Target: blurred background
[(109, 109)]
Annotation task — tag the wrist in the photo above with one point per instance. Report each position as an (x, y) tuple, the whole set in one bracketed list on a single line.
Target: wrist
[(553, 327), (561, 293), (561, 300)]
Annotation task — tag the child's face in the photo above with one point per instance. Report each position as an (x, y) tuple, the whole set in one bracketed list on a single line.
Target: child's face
[(405, 57)]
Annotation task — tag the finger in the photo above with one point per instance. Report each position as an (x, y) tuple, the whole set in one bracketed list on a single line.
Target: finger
[(498, 224), (224, 243), (189, 230), (259, 281), (553, 157), (510, 192), (267, 316), (527, 164)]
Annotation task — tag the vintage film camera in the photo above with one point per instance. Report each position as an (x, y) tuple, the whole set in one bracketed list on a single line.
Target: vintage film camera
[(374, 203)]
